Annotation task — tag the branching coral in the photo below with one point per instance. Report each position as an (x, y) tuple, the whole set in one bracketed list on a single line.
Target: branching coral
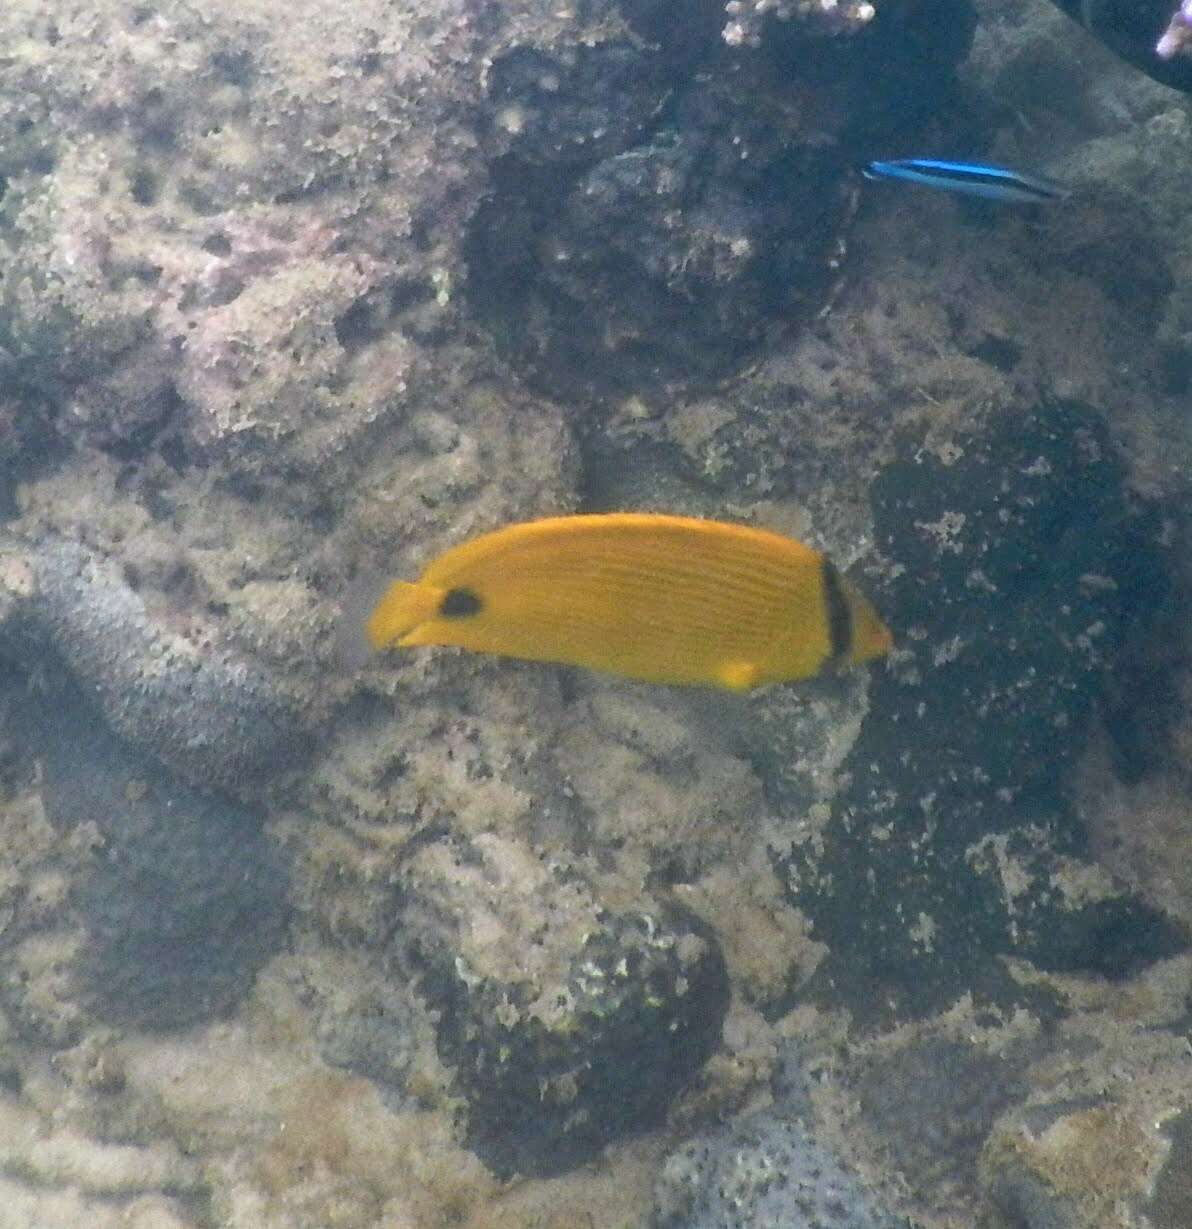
[(1177, 38)]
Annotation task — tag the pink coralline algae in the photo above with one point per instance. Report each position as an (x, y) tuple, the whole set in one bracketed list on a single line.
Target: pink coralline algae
[(1177, 38)]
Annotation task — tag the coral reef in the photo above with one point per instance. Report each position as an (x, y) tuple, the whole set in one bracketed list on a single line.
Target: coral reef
[(662, 245), (147, 194), (819, 19), (295, 297)]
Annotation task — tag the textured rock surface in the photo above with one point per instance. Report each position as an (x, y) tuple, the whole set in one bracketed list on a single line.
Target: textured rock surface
[(1013, 562), (214, 717), (766, 1170), (569, 1025), (149, 188)]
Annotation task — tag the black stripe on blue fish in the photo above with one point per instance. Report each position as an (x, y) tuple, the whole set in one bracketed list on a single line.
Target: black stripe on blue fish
[(970, 178)]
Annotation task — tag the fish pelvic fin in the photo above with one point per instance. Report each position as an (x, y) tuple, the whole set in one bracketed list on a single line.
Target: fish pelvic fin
[(739, 675), (402, 608)]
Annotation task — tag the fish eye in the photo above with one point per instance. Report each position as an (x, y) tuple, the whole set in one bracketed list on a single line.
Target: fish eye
[(459, 603)]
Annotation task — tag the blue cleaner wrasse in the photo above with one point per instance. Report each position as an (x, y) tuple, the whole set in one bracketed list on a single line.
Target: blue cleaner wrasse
[(995, 183), (664, 599)]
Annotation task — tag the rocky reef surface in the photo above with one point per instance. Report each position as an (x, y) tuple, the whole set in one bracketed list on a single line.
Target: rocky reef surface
[(294, 296)]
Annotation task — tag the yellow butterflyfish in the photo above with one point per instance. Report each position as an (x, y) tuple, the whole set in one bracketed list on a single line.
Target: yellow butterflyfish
[(664, 599)]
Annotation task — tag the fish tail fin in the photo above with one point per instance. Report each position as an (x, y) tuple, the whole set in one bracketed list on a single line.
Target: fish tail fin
[(871, 637), (403, 606)]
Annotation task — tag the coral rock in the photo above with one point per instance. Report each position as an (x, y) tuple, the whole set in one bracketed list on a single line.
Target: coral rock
[(765, 1171), (569, 1025), (210, 716)]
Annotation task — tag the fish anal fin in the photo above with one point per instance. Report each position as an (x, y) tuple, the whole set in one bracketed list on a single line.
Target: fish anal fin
[(739, 675)]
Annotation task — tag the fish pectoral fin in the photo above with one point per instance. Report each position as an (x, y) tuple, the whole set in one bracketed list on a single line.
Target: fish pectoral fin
[(739, 675), (403, 607)]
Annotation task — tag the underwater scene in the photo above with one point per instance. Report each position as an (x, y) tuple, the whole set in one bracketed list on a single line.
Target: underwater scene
[(596, 614)]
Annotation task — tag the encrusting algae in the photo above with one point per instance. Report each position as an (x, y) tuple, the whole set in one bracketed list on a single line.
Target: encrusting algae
[(664, 599)]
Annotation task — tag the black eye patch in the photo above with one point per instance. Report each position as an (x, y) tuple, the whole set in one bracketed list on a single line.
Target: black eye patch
[(459, 603)]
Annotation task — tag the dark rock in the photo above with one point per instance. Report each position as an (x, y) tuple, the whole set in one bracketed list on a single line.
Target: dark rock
[(664, 263), (569, 1026), (1131, 28), (607, 262), (578, 104), (1170, 1205), (695, 37), (907, 75), (1015, 566), (183, 899), (125, 410)]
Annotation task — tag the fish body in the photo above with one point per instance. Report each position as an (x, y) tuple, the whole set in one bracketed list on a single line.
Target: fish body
[(664, 599), (995, 183)]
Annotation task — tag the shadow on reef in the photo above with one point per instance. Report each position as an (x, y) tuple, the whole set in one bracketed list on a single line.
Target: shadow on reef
[(1131, 28), (663, 209), (1015, 569)]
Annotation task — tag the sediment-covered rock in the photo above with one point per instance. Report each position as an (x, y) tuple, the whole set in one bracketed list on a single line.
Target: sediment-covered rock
[(1105, 1143)]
